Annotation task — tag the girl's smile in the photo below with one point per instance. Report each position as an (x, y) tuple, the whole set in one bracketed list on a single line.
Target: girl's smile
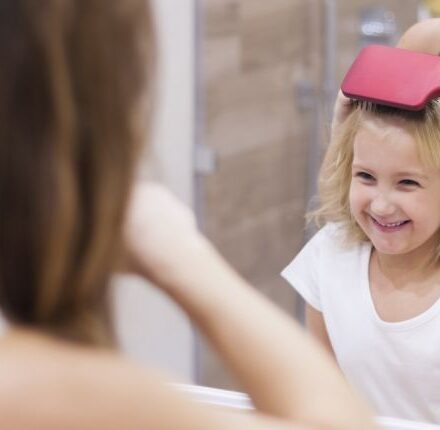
[(394, 197), (389, 227)]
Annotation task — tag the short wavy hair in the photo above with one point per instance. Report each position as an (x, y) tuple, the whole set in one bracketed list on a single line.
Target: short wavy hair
[(335, 174)]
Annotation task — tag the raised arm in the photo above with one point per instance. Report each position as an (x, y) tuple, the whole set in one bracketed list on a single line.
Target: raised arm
[(341, 110), (288, 376)]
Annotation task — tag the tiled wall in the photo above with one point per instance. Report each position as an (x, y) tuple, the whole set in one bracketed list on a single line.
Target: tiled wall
[(405, 12), (256, 57)]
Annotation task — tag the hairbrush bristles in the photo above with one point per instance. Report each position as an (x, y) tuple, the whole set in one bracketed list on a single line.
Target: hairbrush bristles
[(380, 109), (362, 104)]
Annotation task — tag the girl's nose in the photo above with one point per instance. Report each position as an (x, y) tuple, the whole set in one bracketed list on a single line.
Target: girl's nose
[(381, 205)]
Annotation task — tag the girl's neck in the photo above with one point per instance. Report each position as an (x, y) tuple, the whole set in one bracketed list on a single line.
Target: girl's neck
[(402, 269)]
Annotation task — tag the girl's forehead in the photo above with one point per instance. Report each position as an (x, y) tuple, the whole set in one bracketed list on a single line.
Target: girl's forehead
[(422, 131), (384, 125), (389, 130), (382, 138)]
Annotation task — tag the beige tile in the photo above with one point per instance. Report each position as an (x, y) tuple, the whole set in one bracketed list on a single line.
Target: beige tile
[(254, 87), (269, 31), (261, 247), (219, 18), (221, 59), (257, 9), (250, 125), (251, 183)]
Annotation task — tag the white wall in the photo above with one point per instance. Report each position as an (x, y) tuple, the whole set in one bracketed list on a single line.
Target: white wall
[(151, 328), (174, 134)]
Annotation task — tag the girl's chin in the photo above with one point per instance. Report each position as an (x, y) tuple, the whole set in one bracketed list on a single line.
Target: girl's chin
[(387, 251), (387, 247)]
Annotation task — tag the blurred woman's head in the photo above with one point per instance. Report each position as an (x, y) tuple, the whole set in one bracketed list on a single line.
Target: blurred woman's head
[(73, 84)]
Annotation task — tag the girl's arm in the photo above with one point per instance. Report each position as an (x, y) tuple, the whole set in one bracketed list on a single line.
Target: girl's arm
[(341, 110), (288, 376), (316, 325)]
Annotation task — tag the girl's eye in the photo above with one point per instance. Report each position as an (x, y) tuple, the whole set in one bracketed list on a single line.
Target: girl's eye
[(409, 182), (365, 176)]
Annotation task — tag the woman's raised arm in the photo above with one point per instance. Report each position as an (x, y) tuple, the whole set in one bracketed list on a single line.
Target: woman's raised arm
[(289, 377)]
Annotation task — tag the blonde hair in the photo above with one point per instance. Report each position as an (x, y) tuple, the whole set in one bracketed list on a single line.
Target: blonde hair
[(73, 77), (335, 175)]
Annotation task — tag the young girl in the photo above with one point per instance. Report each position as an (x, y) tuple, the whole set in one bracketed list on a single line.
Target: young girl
[(371, 275)]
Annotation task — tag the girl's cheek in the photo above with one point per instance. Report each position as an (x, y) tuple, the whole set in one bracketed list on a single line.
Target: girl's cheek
[(358, 197), (352, 203), (353, 193)]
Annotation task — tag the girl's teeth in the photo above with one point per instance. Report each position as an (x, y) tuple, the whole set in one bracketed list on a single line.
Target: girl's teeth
[(394, 224)]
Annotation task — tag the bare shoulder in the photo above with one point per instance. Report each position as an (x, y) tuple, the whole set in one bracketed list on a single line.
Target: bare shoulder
[(50, 385), (54, 385)]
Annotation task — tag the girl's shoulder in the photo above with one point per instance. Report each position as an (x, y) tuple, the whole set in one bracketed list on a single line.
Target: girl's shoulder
[(332, 235), (338, 235), (331, 243)]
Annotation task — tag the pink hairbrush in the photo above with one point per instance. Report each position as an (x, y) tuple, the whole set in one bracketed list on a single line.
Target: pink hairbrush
[(393, 77)]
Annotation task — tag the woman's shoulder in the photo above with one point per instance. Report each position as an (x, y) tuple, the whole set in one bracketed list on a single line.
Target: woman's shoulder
[(51, 384)]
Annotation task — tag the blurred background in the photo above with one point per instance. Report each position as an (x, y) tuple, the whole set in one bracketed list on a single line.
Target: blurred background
[(246, 89)]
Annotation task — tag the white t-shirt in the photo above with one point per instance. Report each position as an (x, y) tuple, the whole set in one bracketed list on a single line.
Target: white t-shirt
[(395, 365)]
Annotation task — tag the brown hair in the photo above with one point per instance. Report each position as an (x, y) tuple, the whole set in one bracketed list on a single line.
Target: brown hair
[(73, 76)]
